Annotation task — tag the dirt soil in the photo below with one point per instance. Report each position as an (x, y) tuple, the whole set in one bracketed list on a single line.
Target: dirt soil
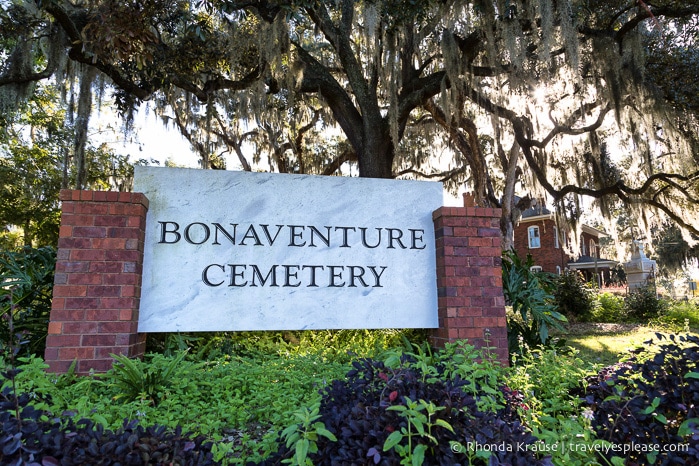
[(591, 328)]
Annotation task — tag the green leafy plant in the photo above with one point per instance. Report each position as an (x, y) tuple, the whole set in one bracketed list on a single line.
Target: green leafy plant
[(26, 281), (420, 418), (302, 438), (138, 380), (464, 361), (533, 311), (679, 316), (643, 303), (421, 357), (547, 376), (608, 308), (573, 296)]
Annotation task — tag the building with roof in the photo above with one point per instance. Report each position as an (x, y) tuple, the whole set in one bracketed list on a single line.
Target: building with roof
[(537, 234)]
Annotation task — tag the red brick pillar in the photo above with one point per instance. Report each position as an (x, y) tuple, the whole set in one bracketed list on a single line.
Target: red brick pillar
[(469, 278), (98, 280)]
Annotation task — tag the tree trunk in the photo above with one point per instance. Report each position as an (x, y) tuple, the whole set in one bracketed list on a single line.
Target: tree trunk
[(509, 212), (375, 158), (26, 233), (82, 122)]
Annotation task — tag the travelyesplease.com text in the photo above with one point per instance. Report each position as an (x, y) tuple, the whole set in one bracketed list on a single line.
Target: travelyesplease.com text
[(602, 447)]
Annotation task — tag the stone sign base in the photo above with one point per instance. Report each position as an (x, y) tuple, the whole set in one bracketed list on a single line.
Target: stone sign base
[(98, 280)]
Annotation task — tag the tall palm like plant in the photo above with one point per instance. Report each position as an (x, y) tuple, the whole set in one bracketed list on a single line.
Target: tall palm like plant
[(533, 310)]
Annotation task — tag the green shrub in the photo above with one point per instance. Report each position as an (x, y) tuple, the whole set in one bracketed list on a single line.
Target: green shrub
[(335, 345), (643, 303), (608, 308), (680, 316), (547, 380), (573, 296), (26, 283), (533, 311)]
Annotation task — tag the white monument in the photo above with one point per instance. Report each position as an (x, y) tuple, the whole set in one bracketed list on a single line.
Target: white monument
[(639, 269)]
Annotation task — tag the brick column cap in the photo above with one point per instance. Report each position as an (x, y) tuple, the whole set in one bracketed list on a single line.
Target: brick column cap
[(490, 212), (104, 196)]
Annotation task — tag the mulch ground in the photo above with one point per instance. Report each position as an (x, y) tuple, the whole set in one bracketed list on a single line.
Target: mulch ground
[(585, 328)]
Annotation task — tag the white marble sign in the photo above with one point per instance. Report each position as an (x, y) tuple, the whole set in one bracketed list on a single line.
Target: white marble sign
[(231, 250)]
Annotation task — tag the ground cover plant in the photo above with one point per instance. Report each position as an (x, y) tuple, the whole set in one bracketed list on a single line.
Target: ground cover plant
[(31, 437), (235, 401), (238, 392), (545, 378), (399, 406), (393, 412)]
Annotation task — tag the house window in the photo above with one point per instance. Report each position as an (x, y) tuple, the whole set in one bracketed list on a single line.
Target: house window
[(558, 269), (534, 238), (555, 238), (593, 248), (536, 268)]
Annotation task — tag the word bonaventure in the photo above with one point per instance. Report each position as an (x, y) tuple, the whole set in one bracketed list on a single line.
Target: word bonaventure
[(292, 236)]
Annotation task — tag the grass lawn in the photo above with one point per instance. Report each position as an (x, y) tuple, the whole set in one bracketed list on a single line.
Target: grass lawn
[(605, 343)]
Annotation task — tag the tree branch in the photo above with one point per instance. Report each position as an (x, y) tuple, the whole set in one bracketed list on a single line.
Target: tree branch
[(567, 129), (443, 176), (676, 218), (336, 163), (231, 141), (46, 73), (418, 92), (624, 192), (464, 133), (643, 14), (316, 78), (205, 92)]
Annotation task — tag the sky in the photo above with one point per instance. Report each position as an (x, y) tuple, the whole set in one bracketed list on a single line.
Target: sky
[(152, 140)]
